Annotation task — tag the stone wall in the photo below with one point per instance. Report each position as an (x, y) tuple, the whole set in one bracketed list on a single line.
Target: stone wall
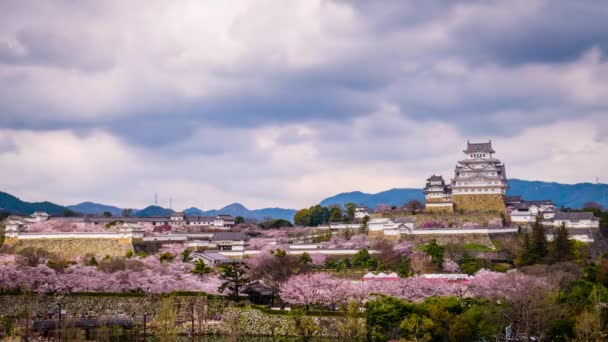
[(481, 239), (447, 209), (479, 203), (74, 248)]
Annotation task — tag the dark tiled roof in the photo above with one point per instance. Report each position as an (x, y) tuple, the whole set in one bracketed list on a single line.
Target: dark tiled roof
[(222, 236), (560, 215), (404, 220), (434, 178), (540, 202), (479, 147), (513, 199)]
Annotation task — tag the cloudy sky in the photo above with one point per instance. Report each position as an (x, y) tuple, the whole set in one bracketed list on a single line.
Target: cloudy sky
[(282, 103)]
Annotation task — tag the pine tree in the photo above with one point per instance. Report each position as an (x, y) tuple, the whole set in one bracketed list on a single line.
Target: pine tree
[(525, 257), (561, 246), (234, 276), (538, 244)]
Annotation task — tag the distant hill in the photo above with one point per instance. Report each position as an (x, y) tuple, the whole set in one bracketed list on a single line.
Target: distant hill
[(391, 197), (237, 209), (153, 210), (14, 205), (568, 195), (95, 208)]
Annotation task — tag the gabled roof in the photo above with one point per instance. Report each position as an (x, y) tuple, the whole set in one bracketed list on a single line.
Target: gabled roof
[(404, 220), (574, 216), (479, 147), (223, 236)]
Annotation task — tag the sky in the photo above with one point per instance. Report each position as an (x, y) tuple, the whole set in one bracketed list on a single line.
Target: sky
[(283, 103)]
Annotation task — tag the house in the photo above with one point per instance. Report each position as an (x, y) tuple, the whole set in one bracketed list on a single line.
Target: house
[(528, 211), (386, 226), (220, 221), (228, 241), (573, 220), (211, 258), (177, 218), (361, 211), (380, 277)]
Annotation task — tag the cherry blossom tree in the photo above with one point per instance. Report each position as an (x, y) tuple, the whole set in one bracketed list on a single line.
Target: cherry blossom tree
[(450, 266)]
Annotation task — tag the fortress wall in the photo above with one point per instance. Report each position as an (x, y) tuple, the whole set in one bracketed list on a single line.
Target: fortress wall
[(74, 248), (480, 202)]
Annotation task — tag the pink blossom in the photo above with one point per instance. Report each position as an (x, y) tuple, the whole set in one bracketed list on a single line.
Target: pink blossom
[(403, 248), (450, 266)]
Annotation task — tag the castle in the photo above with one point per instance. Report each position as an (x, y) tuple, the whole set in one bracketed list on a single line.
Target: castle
[(479, 184)]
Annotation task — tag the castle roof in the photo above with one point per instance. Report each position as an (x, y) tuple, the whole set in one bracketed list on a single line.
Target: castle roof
[(434, 178), (479, 147)]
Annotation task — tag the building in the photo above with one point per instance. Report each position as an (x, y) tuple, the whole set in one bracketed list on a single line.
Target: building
[(361, 211), (438, 195), (228, 241), (211, 258), (573, 220), (387, 227), (480, 180), (528, 211)]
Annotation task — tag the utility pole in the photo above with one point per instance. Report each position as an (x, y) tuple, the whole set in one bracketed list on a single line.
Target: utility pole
[(155, 199), (171, 203)]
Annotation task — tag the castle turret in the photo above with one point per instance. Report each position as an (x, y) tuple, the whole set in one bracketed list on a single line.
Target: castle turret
[(437, 194)]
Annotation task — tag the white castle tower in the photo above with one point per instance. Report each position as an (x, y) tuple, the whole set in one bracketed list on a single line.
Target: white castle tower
[(480, 180)]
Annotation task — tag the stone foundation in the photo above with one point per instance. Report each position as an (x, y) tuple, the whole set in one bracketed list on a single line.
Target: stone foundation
[(442, 209), (479, 203), (73, 248), (482, 239)]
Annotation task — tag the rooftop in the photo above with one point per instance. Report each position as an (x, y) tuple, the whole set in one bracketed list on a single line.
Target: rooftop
[(574, 216), (223, 236), (479, 147)]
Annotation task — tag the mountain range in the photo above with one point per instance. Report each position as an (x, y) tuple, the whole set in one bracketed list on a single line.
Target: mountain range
[(567, 195)]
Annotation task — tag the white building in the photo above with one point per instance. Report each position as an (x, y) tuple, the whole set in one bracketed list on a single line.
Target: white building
[(437, 194), (573, 220), (386, 226), (479, 173), (529, 211), (361, 211)]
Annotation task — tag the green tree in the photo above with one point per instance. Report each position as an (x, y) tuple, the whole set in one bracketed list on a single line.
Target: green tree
[(107, 214), (305, 258), (538, 243), (200, 268), (561, 248), (435, 251), (524, 256), (127, 212), (350, 212), (335, 214), (234, 278), (239, 220), (302, 217), (363, 259), (382, 317), (186, 256), (417, 328)]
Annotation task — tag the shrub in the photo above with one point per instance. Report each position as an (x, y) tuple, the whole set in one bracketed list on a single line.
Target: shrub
[(166, 257)]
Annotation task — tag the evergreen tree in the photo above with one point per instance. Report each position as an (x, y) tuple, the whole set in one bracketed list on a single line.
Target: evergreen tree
[(525, 255), (234, 277), (538, 244), (561, 246)]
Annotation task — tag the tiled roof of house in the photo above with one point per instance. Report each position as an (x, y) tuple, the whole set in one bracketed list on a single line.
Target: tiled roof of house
[(223, 236), (574, 216)]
